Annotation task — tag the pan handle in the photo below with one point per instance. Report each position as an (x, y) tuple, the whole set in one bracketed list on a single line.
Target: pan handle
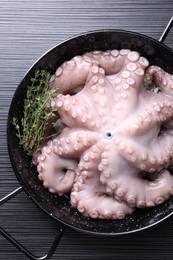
[(166, 31), (19, 245)]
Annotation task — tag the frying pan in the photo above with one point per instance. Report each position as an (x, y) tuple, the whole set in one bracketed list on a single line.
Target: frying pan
[(59, 207)]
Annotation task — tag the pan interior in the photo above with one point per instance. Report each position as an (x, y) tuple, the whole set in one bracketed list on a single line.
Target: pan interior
[(59, 207)]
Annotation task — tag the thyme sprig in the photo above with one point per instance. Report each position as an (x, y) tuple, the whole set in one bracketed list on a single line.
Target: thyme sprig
[(37, 113)]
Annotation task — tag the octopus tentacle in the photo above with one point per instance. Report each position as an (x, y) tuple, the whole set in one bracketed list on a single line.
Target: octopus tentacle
[(161, 78), (56, 173), (100, 89), (132, 73), (160, 189), (152, 115), (128, 83), (73, 143), (74, 112), (142, 192), (146, 193), (111, 61), (89, 195), (117, 178), (152, 157), (72, 74)]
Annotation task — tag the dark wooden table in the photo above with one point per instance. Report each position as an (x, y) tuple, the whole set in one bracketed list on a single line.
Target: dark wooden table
[(28, 28)]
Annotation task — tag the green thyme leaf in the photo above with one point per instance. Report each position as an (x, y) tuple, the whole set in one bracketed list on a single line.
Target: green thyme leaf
[(37, 113)]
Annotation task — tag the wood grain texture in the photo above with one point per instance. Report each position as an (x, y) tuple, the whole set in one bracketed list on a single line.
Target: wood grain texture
[(28, 28)]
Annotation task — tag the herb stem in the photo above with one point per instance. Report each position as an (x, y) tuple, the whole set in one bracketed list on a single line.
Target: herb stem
[(37, 113)]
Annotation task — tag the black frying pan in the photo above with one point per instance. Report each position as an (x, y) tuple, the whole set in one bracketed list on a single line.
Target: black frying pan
[(59, 207)]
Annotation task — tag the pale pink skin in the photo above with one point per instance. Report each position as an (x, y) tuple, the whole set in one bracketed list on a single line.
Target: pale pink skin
[(112, 117)]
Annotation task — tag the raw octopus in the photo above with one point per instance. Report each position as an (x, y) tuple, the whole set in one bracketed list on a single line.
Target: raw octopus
[(116, 146)]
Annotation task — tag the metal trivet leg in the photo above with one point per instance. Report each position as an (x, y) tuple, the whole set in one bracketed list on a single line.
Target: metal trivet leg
[(20, 246)]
